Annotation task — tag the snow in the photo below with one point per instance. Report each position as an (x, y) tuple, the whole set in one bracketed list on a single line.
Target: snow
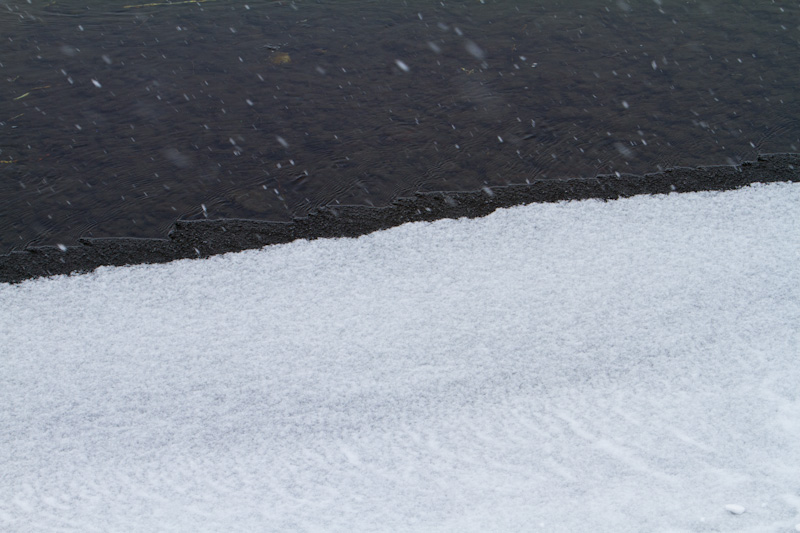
[(618, 366)]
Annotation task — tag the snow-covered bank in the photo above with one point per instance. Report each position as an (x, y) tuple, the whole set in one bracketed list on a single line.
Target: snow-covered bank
[(620, 366)]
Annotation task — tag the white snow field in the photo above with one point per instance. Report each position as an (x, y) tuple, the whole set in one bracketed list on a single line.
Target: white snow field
[(624, 366)]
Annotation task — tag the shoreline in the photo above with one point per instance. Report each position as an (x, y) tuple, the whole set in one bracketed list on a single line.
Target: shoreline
[(205, 238)]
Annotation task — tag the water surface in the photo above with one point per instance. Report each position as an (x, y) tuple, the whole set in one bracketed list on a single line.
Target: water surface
[(118, 120)]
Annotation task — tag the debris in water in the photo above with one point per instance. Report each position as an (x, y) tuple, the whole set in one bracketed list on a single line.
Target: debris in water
[(280, 58)]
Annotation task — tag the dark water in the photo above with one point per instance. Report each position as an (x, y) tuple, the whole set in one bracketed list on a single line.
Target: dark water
[(116, 121)]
